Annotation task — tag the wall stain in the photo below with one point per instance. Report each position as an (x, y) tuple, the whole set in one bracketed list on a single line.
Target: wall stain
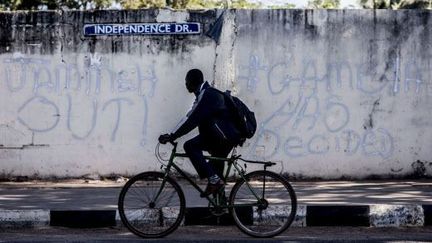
[(25, 146), (369, 123), (311, 30), (419, 169)]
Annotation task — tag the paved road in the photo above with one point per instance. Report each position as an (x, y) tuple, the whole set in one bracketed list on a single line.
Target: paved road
[(204, 234), (80, 195)]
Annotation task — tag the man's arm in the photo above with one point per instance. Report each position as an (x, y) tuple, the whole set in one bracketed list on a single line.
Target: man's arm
[(201, 109)]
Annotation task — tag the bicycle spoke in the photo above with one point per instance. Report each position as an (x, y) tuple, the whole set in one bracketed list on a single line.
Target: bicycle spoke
[(146, 217), (139, 197), (270, 214), (166, 198)]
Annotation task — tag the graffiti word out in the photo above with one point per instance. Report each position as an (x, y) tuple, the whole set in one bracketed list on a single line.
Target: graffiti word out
[(49, 115)]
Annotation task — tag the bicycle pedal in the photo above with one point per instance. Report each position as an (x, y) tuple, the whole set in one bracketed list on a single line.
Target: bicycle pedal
[(212, 189), (219, 212)]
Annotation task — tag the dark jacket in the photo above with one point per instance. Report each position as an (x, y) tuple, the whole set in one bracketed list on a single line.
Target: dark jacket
[(210, 114)]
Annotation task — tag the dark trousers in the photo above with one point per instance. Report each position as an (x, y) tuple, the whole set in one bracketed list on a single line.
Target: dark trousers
[(194, 149)]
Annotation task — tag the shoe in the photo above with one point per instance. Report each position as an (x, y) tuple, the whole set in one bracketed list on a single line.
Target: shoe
[(213, 188)]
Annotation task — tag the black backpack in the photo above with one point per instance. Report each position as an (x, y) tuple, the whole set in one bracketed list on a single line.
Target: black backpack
[(244, 118)]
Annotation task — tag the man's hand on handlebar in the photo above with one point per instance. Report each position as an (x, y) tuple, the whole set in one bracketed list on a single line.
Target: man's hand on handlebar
[(165, 138)]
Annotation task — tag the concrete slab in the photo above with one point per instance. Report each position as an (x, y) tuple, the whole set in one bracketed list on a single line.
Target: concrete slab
[(89, 196), (374, 203)]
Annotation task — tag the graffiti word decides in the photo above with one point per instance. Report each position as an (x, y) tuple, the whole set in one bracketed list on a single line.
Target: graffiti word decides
[(142, 29)]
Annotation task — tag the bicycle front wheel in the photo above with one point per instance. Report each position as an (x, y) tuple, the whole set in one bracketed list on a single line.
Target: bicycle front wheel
[(151, 206), (263, 205)]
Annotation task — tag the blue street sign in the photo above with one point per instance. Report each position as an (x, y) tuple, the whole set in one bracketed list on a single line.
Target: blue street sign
[(142, 29)]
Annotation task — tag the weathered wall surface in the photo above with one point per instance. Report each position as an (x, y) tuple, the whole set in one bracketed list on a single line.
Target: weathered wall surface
[(337, 93)]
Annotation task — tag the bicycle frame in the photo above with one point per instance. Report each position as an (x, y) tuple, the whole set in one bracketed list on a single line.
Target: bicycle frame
[(231, 163), (261, 203)]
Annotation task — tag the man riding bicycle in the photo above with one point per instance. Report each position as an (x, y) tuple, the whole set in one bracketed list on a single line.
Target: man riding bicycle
[(217, 133)]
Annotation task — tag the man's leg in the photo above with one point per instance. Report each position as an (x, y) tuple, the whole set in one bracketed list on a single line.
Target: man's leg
[(222, 151), (194, 149)]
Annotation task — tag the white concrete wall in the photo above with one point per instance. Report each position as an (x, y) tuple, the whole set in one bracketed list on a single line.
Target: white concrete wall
[(336, 93), (339, 92)]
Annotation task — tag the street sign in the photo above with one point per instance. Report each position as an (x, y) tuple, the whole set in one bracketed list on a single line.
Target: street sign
[(142, 29)]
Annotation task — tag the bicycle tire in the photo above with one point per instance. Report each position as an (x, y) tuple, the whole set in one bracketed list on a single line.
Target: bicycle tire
[(149, 219), (267, 216)]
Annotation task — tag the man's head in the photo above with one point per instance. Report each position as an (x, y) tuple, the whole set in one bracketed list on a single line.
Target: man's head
[(194, 79)]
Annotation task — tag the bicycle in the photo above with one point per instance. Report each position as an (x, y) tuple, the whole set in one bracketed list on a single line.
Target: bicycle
[(152, 204)]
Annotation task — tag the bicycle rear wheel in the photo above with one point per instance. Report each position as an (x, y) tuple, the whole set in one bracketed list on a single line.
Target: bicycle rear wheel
[(265, 206), (150, 206)]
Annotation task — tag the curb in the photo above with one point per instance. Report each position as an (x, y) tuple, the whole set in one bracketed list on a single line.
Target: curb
[(381, 215)]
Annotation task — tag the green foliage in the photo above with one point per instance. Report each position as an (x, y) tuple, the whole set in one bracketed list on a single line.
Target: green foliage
[(126, 4), (396, 4), (244, 4), (329, 4), (375, 4), (177, 4), (100, 4), (25, 4), (138, 4), (53, 4), (200, 4), (205, 4), (209, 4), (286, 6)]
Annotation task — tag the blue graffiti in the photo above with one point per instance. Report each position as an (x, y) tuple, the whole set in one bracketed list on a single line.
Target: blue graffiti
[(316, 142), (118, 102), (378, 143), (72, 75), (70, 118), (292, 144), (43, 81), (353, 141), (145, 121), (340, 109), (53, 118), (412, 74), (38, 75), (98, 71), (280, 76), (313, 116), (91, 79), (253, 68), (278, 83), (22, 65), (22, 79), (262, 135), (338, 69), (308, 109), (373, 86), (150, 76)]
